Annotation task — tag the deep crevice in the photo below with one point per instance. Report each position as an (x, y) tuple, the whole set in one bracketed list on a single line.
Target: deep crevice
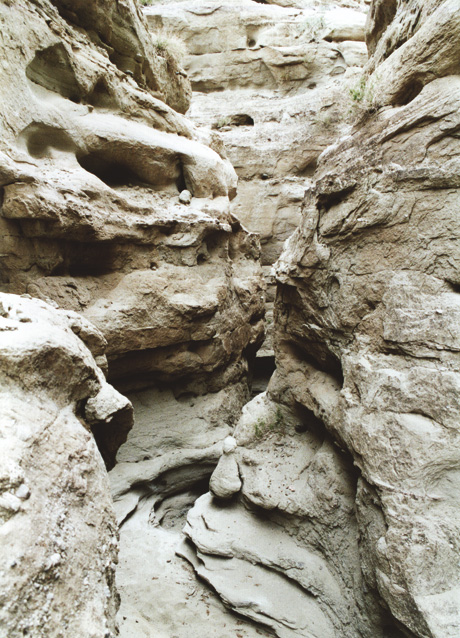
[(171, 512), (101, 96), (408, 92), (261, 370), (454, 286), (110, 436)]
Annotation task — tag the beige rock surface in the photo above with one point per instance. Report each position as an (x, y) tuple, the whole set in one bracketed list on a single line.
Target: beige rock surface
[(283, 549), (163, 467), (93, 164), (367, 359), (367, 303), (333, 510), (160, 594), (168, 293), (273, 80), (59, 538)]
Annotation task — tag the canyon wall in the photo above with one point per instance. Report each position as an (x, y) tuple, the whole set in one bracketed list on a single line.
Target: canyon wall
[(59, 536), (366, 345), (327, 506), (273, 81), (116, 208)]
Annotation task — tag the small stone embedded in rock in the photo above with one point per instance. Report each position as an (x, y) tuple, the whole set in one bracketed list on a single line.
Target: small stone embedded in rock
[(185, 197), (226, 481), (230, 445), (23, 492)]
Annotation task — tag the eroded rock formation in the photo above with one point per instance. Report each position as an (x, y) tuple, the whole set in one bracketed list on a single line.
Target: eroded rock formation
[(116, 208), (367, 356), (333, 510), (92, 167), (273, 80), (59, 537)]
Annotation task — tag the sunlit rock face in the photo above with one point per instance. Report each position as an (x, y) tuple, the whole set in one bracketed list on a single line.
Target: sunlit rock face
[(59, 538)]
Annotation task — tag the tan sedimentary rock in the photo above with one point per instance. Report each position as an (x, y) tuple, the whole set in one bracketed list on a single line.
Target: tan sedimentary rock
[(93, 164), (95, 158), (59, 539), (367, 349), (368, 304), (273, 81), (283, 549)]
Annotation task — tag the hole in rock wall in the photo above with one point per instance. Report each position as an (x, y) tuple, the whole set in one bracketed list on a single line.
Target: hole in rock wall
[(409, 92), (111, 173), (181, 184), (261, 370), (241, 119), (252, 34), (454, 286), (40, 139), (172, 512), (93, 259), (101, 96), (51, 68), (111, 436), (309, 422)]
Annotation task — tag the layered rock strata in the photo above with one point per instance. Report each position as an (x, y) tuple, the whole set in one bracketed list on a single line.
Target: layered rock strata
[(273, 80), (116, 208), (93, 163), (59, 537), (333, 510), (367, 362)]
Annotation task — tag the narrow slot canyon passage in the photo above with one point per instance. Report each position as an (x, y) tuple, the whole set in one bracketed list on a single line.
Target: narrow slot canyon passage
[(169, 451), (229, 319), (273, 122)]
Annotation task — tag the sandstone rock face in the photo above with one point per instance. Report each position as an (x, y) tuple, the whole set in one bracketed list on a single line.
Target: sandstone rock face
[(365, 391), (273, 81), (59, 538), (248, 45), (367, 305), (283, 549), (333, 509), (95, 159), (92, 168)]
